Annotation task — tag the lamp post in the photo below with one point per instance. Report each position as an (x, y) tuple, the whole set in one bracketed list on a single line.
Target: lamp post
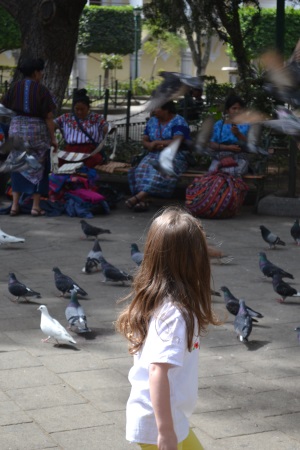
[(136, 15)]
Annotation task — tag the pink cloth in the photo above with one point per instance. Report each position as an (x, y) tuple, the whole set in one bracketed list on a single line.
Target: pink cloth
[(88, 195)]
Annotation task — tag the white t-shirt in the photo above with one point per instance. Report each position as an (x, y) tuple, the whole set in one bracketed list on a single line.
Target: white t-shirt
[(166, 342)]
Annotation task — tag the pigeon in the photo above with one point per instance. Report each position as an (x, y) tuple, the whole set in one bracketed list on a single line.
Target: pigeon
[(66, 284), (6, 112), (243, 322), (295, 232), (215, 293), (298, 332), (8, 239), (173, 86), (204, 137), (93, 259), (53, 329), (282, 81), (90, 230), (19, 157), (136, 255), (19, 289), (166, 157), (269, 269), (286, 123), (270, 238), (252, 143), (112, 273), (282, 288), (233, 304), (75, 314)]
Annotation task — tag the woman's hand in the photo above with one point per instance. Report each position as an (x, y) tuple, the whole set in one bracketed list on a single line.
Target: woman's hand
[(240, 136)]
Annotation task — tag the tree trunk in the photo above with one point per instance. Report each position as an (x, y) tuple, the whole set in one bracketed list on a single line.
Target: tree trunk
[(49, 30)]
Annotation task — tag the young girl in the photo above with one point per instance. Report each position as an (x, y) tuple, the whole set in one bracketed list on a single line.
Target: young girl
[(170, 307)]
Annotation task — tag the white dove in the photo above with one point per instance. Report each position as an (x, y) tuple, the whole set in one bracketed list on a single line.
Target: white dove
[(8, 239), (53, 329)]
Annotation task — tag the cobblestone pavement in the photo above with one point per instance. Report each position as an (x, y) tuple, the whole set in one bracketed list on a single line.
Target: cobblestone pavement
[(73, 397)]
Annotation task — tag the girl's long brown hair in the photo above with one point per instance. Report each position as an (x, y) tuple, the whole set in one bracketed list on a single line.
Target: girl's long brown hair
[(176, 265)]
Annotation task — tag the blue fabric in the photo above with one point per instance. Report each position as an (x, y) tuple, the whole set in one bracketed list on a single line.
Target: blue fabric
[(176, 127), (222, 133)]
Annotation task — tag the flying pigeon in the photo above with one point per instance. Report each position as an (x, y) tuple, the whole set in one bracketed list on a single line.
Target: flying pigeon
[(112, 273), (93, 259), (90, 230), (283, 80), (252, 143), (136, 255), (8, 239), (19, 157), (286, 122), (75, 314), (295, 232), (173, 86), (19, 289), (233, 304), (282, 288), (269, 269), (53, 329), (66, 284), (204, 137), (243, 322), (270, 238), (166, 158), (6, 112)]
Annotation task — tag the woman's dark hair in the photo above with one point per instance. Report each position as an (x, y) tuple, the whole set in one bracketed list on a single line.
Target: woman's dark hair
[(232, 100), (169, 106), (80, 96), (29, 65)]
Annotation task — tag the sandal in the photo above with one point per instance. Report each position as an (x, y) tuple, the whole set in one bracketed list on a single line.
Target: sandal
[(130, 204), (37, 212), (141, 207), (14, 212)]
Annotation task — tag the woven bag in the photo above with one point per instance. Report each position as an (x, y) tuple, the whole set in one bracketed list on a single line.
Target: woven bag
[(216, 195)]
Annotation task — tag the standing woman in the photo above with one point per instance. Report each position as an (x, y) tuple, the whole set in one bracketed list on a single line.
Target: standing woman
[(163, 128), (82, 129), (33, 104)]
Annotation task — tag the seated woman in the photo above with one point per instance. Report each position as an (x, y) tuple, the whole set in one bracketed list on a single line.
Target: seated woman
[(226, 140), (163, 127), (82, 129)]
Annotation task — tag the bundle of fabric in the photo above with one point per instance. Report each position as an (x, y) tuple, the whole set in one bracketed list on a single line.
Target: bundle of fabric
[(215, 195)]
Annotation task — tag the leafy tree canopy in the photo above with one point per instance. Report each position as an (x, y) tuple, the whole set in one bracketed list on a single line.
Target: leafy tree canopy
[(10, 34), (264, 36), (108, 29)]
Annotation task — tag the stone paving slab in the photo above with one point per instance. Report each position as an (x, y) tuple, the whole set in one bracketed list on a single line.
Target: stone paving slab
[(25, 436), (68, 417), (41, 397)]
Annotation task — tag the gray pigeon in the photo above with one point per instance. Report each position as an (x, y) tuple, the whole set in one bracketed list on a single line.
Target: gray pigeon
[(252, 143), (243, 323), (165, 165), (93, 259), (295, 232), (233, 304), (19, 289), (283, 289), (269, 269), (136, 255), (173, 86), (66, 284), (112, 273), (270, 237), (90, 230), (204, 137), (75, 314), (53, 329)]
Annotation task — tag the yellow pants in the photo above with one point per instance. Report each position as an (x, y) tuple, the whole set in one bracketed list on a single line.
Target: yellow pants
[(190, 443)]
